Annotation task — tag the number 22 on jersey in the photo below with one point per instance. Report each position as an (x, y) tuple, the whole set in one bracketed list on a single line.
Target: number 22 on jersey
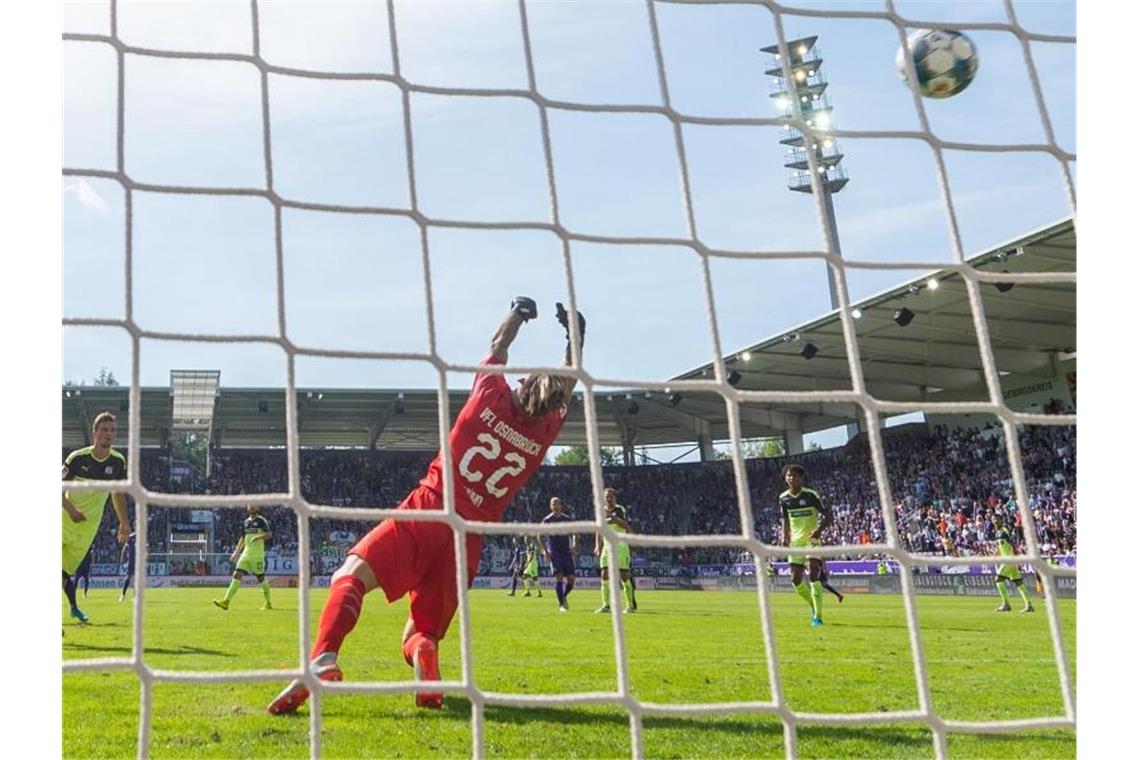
[(490, 451)]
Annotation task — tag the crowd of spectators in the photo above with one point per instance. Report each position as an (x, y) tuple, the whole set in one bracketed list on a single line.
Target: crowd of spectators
[(946, 484)]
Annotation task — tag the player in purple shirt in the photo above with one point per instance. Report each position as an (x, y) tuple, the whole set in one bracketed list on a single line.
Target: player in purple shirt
[(127, 558), (560, 551), (517, 563)]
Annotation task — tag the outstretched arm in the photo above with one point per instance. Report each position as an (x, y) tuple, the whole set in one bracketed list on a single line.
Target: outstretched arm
[(522, 309)]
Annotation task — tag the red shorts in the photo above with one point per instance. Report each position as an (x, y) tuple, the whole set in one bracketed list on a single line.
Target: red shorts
[(418, 559)]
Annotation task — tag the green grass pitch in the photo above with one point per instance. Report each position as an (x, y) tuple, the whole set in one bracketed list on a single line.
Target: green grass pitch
[(684, 646)]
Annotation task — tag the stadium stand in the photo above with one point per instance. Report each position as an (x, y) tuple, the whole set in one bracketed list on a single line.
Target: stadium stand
[(946, 483)]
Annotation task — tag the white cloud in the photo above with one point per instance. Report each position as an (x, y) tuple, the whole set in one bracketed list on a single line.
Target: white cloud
[(86, 195)]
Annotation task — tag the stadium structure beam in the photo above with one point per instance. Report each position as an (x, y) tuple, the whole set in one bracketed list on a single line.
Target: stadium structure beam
[(683, 420), (960, 355), (84, 425), (377, 427), (877, 368)]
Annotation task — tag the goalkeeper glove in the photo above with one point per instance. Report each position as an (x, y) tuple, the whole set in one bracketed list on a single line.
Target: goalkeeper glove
[(563, 319), (525, 308)]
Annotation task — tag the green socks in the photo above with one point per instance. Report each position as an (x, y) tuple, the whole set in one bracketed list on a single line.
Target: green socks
[(265, 590), (1024, 594), (1004, 592), (803, 590), (817, 599), (627, 587), (605, 593)]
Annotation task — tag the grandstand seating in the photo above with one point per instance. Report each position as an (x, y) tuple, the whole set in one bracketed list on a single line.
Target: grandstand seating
[(945, 482)]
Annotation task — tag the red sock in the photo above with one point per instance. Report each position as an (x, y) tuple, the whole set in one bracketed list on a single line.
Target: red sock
[(346, 594), (412, 643)]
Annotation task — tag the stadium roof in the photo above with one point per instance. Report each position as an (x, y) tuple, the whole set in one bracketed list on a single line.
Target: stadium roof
[(1031, 327)]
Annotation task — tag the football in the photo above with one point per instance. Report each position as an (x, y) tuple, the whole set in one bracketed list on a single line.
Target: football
[(945, 61)]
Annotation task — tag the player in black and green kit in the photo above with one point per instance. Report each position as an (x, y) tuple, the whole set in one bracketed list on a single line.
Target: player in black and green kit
[(803, 520), (618, 519), (255, 534), (85, 508), (1008, 573)]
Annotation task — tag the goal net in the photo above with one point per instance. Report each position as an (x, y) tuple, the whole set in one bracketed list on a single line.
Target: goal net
[(870, 406)]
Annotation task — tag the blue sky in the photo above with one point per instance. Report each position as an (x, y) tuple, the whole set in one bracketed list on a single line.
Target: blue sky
[(206, 264)]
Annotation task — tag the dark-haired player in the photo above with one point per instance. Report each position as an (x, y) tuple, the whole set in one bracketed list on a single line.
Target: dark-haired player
[(1008, 573), (497, 443), (803, 520), (249, 556), (518, 560), (127, 558)]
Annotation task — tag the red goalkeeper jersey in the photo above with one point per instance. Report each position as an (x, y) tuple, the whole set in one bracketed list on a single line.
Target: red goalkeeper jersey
[(495, 448)]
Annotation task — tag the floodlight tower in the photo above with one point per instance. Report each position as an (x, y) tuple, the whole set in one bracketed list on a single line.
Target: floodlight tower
[(805, 95)]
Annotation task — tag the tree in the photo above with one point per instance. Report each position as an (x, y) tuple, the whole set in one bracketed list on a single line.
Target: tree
[(755, 448), (106, 377), (580, 455)]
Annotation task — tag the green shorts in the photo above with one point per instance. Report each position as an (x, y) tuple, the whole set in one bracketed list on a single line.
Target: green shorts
[(623, 557), (802, 560), (1009, 572), (531, 569), (250, 564)]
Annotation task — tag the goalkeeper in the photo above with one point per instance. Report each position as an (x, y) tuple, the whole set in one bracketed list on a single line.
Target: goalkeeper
[(804, 519), (497, 443)]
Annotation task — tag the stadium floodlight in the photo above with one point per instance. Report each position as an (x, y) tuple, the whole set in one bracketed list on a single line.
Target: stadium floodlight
[(746, 356), (809, 350), (933, 284), (815, 111), (913, 289), (734, 377), (903, 316), (675, 398), (1004, 287), (856, 313)]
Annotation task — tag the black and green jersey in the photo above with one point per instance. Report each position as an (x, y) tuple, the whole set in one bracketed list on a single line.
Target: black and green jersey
[(254, 529), (82, 464), (803, 512), (1005, 543), (618, 511)]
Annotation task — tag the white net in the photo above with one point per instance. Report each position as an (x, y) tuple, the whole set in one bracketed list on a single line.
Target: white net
[(871, 407)]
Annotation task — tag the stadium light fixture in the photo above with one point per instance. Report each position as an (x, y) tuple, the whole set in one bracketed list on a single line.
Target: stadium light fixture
[(1003, 287), (809, 350), (933, 284), (746, 355), (734, 377), (856, 313), (675, 398), (903, 316), (809, 102), (913, 289), (633, 408)]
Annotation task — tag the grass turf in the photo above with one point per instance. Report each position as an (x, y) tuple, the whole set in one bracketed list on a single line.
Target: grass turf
[(684, 646)]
